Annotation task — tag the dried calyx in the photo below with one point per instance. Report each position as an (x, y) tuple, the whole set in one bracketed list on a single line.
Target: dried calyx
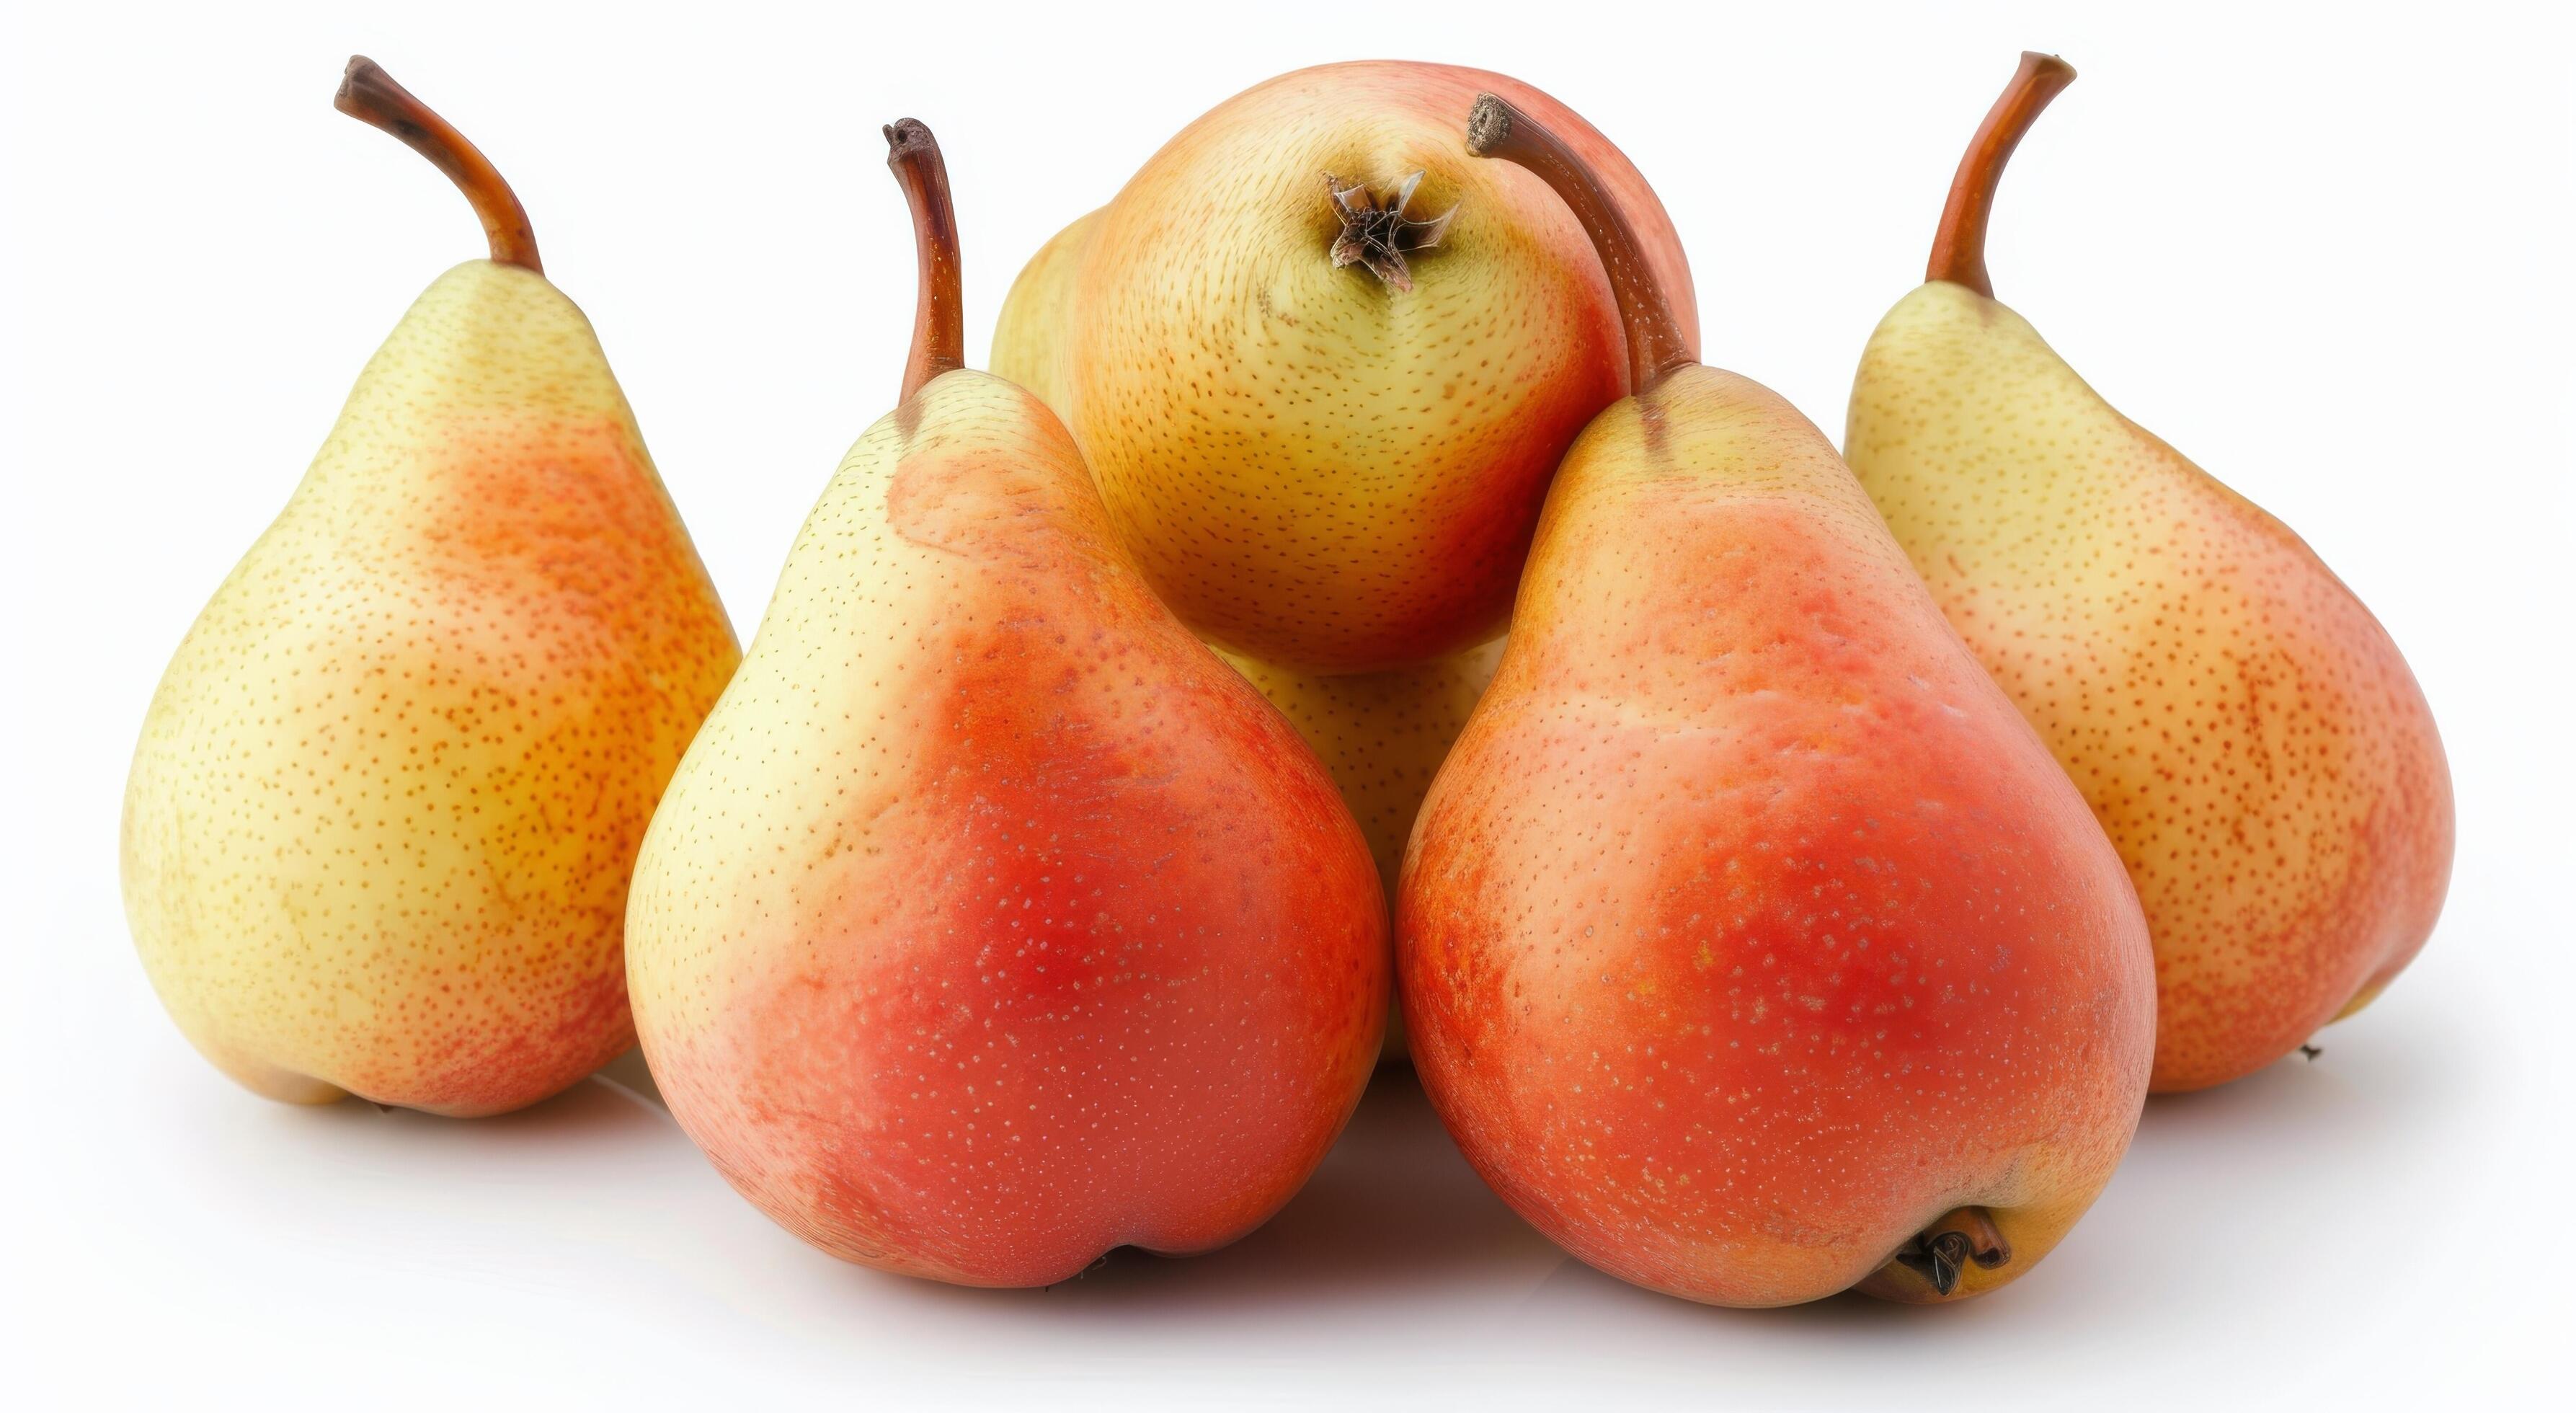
[(1379, 231), (1942, 1250)]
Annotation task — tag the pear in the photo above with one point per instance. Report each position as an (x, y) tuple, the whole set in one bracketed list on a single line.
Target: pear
[(379, 825), (2243, 727), (1028, 345), (992, 922), (1382, 736), (1752, 945), (1322, 365)]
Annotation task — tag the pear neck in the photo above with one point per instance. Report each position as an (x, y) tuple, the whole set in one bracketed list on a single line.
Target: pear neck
[(1959, 246), (939, 311), (1655, 344)]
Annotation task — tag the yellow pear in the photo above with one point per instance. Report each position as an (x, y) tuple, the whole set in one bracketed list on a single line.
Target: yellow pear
[(380, 823), (2243, 727)]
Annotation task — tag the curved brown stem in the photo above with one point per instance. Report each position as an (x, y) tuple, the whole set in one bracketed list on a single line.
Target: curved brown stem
[(1959, 246), (1655, 343), (370, 95), (939, 318)]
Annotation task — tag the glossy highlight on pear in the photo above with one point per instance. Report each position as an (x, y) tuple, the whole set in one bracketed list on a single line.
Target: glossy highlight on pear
[(992, 922), (1752, 946), (379, 824), (2247, 733)]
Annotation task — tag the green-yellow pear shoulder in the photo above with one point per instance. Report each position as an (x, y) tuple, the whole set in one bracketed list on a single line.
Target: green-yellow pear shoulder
[(1029, 336)]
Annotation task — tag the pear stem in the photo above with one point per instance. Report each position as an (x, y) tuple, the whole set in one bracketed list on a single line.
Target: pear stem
[(1959, 246), (370, 95), (939, 317), (1655, 343)]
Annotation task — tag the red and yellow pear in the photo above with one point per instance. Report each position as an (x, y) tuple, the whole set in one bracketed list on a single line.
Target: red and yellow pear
[(2243, 727), (1322, 365), (378, 828), (992, 922), (1752, 945)]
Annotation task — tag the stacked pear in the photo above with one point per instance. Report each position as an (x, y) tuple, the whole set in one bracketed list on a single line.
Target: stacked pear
[(1752, 945), (1322, 366), (379, 826), (2243, 727), (993, 922)]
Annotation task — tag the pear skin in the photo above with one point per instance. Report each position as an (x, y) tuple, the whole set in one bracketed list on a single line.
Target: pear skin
[(2245, 730), (1753, 946), (379, 825), (1027, 347), (1382, 735), (992, 922), (1323, 399)]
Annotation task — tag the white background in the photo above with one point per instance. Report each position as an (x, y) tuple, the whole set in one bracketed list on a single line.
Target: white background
[(2326, 255)]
